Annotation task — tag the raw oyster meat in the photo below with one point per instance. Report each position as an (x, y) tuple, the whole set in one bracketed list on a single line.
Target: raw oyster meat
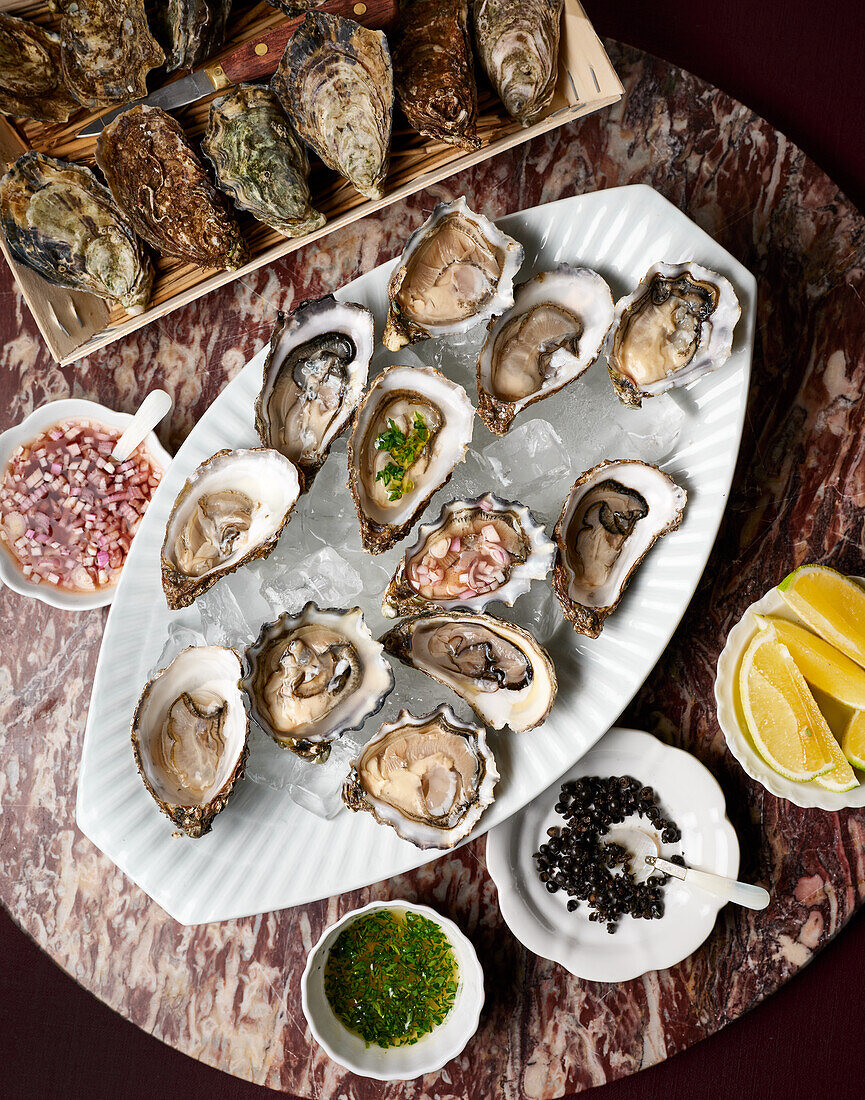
[(107, 50), (552, 334), (260, 161), (231, 511), (499, 669), (31, 78), (190, 31), (477, 552), (160, 184), (61, 221), (336, 83), (411, 430), (314, 377), (675, 327), (456, 270), (613, 516), (313, 676), (190, 736), (430, 778), (518, 43), (434, 74)]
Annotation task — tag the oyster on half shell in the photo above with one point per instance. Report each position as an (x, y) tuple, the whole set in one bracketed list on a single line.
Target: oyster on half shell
[(190, 736), (497, 667), (231, 511), (429, 778), (477, 552), (313, 676), (31, 78), (456, 270), (613, 516), (411, 430), (62, 222)]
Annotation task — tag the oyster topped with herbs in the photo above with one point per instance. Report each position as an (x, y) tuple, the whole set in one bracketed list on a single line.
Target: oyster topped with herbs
[(31, 77), (160, 184), (190, 30), (259, 160), (60, 221), (335, 81)]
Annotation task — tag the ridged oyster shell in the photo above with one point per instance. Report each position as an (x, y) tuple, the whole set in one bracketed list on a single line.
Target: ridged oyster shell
[(497, 667), (430, 778), (191, 31), (231, 511), (259, 160), (613, 516), (311, 677), (190, 736), (675, 327), (518, 44), (63, 223), (456, 270), (520, 551), (160, 184), (552, 333), (31, 78), (398, 395), (335, 81)]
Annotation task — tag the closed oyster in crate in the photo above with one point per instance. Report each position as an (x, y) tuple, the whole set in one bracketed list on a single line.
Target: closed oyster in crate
[(31, 77), (190, 31)]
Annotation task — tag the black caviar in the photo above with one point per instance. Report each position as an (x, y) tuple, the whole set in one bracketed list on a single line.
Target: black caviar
[(577, 860)]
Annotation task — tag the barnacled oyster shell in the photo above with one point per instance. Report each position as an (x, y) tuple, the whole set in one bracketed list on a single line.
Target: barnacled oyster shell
[(296, 7), (191, 31), (31, 78), (107, 50), (259, 160), (518, 43), (160, 184), (434, 76), (336, 83), (59, 220)]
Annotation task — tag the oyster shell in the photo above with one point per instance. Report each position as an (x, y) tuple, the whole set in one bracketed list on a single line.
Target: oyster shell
[(107, 50), (496, 544), (434, 75), (552, 334), (336, 83), (430, 778), (231, 511), (518, 44), (31, 80), (190, 736), (313, 676), (296, 7), (499, 669), (456, 270), (314, 377), (191, 31), (259, 160), (613, 516), (60, 221), (415, 409), (674, 328), (159, 183)]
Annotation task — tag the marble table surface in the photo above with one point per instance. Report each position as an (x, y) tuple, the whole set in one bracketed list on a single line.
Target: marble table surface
[(228, 994)]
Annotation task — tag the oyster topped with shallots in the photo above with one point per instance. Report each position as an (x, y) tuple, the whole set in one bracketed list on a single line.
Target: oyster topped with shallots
[(31, 77)]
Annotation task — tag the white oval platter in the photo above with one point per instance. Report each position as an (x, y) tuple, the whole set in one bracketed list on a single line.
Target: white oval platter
[(266, 852)]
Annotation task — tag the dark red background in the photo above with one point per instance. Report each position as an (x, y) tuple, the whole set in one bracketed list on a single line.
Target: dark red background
[(799, 63)]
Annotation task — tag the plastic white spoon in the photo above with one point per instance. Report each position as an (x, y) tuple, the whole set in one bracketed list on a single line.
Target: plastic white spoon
[(153, 408)]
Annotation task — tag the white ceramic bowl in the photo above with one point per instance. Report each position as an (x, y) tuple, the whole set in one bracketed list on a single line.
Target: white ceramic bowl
[(732, 720), (429, 1053), (72, 408)]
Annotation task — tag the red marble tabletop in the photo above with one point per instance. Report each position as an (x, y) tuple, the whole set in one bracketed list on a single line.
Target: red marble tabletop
[(228, 994)]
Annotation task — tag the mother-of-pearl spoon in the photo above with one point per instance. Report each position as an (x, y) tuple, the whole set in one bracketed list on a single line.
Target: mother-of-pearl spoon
[(152, 409)]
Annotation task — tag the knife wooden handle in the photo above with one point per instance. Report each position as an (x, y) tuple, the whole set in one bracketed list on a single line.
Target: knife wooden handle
[(260, 56)]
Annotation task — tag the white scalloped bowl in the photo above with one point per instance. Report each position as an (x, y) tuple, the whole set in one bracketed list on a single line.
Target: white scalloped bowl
[(429, 1053), (810, 796), (72, 408)]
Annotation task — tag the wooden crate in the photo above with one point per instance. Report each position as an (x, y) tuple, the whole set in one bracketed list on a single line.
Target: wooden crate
[(74, 324)]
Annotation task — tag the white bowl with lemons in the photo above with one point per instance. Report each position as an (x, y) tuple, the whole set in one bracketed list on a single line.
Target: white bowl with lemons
[(775, 651)]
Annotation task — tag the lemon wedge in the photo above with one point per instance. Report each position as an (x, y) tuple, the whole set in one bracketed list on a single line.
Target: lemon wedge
[(853, 740), (831, 604), (823, 665)]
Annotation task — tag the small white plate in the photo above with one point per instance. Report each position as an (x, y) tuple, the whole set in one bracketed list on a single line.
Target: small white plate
[(429, 1053), (731, 719), (690, 795), (72, 408)]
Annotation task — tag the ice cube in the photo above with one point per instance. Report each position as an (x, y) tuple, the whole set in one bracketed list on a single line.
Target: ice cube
[(183, 631), (323, 576), (538, 611), (653, 430), (223, 617), (316, 787), (531, 462)]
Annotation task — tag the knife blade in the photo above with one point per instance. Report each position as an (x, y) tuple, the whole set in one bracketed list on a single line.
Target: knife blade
[(254, 59)]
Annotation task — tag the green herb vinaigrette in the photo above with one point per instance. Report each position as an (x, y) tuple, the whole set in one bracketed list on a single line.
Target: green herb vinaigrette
[(404, 450), (391, 977)]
